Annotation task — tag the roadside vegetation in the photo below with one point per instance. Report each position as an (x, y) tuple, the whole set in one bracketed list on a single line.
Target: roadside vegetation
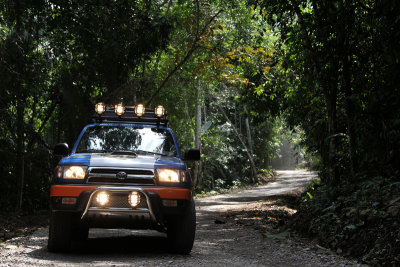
[(360, 220), (236, 78)]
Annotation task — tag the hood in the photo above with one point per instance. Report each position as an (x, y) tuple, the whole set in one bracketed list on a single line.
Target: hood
[(123, 161)]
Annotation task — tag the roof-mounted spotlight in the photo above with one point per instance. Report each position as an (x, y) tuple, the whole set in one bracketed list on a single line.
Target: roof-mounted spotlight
[(159, 111), (100, 108), (139, 110), (119, 109)]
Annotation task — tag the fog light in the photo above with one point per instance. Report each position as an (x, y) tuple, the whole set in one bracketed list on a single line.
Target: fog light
[(139, 110), (159, 111), (100, 108), (134, 199), (102, 198), (119, 109)]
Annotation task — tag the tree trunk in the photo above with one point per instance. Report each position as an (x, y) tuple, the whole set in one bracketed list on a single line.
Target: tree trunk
[(249, 139), (331, 107), (250, 142), (19, 164), (197, 142), (344, 30), (350, 117)]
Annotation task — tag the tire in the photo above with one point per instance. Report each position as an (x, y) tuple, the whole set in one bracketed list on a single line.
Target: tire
[(181, 231), (80, 232), (60, 232)]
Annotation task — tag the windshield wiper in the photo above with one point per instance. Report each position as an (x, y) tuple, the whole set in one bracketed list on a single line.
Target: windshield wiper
[(93, 151), (124, 152), (150, 152)]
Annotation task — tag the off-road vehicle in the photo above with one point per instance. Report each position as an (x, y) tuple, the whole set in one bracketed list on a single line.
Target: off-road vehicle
[(124, 171)]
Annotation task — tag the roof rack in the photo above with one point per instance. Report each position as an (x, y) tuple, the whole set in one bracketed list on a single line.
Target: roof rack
[(148, 117)]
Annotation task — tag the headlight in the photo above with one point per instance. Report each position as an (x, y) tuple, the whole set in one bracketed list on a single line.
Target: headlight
[(171, 175), (73, 172)]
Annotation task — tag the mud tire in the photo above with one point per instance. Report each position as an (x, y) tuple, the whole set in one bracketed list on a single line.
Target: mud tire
[(181, 230)]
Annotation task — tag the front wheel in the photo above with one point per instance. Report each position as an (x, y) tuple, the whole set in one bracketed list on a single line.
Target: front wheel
[(181, 230), (60, 232), (64, 231)]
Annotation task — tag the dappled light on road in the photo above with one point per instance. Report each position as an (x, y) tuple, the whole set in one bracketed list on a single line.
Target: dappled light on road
[(286, 181)]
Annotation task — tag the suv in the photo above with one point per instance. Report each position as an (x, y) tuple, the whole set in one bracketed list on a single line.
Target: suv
[(124, 171)]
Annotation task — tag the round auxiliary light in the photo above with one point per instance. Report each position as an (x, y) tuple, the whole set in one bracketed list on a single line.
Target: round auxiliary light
[(139, 110), (119, 109), (159, 111), (102, 198), (100, 108), (134, 199)]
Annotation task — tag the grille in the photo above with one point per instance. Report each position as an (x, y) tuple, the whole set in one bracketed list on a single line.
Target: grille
[(133, 176), (127, 171)]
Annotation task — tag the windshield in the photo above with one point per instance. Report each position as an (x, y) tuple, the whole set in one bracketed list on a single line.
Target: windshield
[(108, 139)]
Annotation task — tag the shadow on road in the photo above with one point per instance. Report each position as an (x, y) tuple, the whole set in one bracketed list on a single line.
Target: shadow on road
[(125, 244), (110, 248)]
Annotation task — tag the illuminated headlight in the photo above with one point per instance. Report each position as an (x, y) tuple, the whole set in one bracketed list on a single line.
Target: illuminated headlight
[(159, 111), (102, 198), (171, 175), (100, 108), (119, 109), (74, 172), (139, 110), (134, 199)]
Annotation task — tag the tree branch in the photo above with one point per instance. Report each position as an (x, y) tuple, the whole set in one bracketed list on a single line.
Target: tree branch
[(193, 48)]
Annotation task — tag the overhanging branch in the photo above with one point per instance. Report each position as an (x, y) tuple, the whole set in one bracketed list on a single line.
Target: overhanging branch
[(193, 48)]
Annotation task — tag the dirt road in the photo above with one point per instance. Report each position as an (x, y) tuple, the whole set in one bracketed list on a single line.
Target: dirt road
[(219, 242)]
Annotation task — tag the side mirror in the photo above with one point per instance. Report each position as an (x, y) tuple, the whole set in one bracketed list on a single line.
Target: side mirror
[(192, 154), (61, 149)]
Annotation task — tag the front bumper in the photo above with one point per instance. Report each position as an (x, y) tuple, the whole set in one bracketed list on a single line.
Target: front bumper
[(152, 212)]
